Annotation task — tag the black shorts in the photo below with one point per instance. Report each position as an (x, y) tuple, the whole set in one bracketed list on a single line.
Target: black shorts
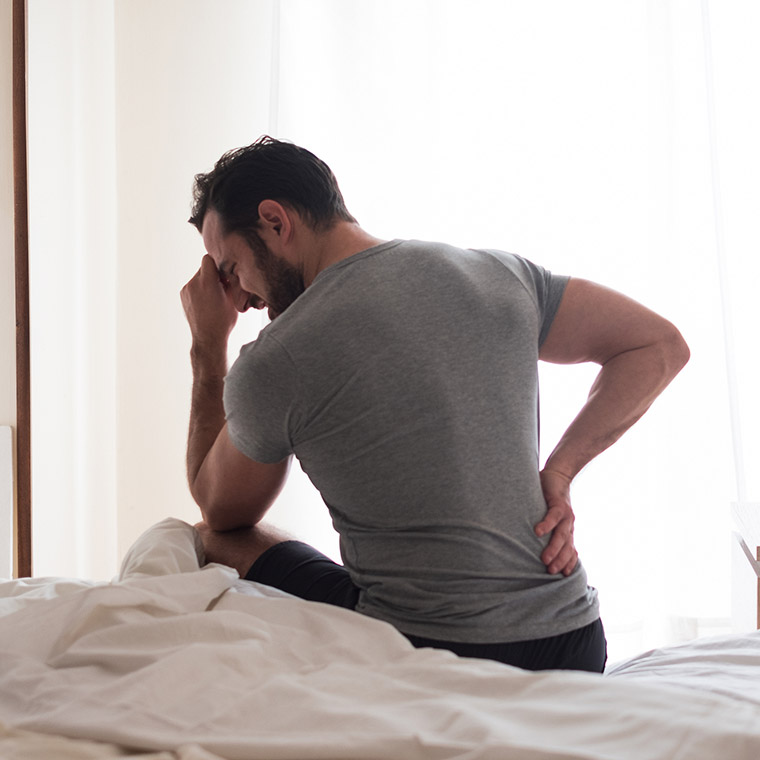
[(301, 570)]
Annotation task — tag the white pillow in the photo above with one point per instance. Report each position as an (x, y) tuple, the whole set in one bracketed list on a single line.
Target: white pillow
[(169, 547)]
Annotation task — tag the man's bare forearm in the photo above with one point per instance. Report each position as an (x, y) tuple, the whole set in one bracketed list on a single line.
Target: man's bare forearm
[(206, 408), (231, 490), (211, 316), (624, 389)]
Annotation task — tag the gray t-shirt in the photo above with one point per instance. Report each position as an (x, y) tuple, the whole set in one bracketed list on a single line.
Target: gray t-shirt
[(405, 381)]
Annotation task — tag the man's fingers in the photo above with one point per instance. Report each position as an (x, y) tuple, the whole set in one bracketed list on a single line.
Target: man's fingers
[(549, 523), (558, 541), (208, 265), (564, 561), (559, 555), (552, 519), (545, 527)]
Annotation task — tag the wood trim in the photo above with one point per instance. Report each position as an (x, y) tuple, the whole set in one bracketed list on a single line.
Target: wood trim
[(21, 247)]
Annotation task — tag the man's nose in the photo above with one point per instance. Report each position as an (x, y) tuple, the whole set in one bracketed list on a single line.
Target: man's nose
[(239, 297), (242, 300)]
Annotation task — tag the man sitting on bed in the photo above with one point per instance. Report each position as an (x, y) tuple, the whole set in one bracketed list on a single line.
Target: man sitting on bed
[(403, 376)]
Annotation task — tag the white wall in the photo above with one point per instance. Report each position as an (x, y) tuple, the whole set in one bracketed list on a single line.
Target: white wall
[(7, 287), (189, 115)]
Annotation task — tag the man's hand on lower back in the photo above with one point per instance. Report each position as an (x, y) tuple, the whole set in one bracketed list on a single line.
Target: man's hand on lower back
[(560, 555)]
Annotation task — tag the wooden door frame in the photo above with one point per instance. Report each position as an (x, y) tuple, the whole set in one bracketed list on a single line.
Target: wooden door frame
[(21, 252)]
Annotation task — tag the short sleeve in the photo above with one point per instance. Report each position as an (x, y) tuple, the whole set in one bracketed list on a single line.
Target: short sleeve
[(259, 398), (545, 288), (549, 289)]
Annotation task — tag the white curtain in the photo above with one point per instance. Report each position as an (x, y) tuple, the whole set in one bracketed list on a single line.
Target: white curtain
[(73, 288), (609, 140)]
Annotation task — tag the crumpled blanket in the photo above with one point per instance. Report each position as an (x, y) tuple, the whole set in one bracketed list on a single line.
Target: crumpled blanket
[(194, 663)]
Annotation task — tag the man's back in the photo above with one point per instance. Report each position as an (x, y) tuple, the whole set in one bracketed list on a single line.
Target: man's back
[(405, 381)]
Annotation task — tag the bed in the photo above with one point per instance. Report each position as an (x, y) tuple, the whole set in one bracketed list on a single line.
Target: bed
[(174, 660)]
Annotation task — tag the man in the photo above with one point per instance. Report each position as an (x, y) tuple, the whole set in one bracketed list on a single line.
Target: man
[(403, 376)]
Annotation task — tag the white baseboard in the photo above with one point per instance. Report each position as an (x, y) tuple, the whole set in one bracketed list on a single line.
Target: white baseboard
[(6, 502)]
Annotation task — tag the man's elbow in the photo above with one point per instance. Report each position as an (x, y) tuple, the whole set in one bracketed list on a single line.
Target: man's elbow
[(217, 510), (675, 351), (221, 522), (221, 518)]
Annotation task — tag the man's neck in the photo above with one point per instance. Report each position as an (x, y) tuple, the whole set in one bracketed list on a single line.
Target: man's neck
[(342, 240)]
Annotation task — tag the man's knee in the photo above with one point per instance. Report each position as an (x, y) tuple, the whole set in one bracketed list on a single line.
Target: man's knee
[(305, 572)]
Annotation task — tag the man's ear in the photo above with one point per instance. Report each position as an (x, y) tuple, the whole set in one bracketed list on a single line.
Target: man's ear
[(275, 221)]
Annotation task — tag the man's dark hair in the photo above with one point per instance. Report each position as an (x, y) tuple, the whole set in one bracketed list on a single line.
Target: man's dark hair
[(268, 169)]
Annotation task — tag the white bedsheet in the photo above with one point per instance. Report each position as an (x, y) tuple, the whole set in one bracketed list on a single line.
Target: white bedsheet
[(728, 665), (195, 664)]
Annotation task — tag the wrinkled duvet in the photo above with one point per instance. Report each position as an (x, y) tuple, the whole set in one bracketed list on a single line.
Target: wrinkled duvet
[(174, 661)]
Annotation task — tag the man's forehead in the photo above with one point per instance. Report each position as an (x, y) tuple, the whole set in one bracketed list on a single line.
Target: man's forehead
[(211, 227), (211, 232)]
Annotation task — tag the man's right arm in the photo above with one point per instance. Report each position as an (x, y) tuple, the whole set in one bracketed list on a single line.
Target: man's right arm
[(232, 490)]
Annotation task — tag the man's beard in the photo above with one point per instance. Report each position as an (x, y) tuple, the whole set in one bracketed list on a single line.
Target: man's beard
[(284, 282)]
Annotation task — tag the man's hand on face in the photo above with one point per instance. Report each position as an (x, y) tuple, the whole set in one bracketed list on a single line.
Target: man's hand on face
[(560, 555), (210, 312)]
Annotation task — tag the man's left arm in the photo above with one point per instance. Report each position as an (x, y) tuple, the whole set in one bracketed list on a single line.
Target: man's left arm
[(639, 352)]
